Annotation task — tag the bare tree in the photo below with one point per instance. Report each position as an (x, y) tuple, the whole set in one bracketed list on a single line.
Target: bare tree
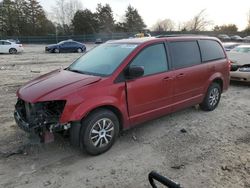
[(248, 20), (164, 25), (198, 23), (64, 11)]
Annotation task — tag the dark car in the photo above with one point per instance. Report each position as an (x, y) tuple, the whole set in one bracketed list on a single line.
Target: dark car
[(122, 83), (224, 37), (98, 41), (236, 38), (66, 46), (246, 39)]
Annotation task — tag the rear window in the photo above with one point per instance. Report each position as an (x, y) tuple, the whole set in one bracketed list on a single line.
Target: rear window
[(211, 50), (184, 54)]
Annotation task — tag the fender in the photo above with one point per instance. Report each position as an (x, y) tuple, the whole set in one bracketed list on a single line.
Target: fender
[(87, 106), (213, 77)]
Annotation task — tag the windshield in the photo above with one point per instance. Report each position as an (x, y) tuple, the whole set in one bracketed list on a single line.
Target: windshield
[(102, 60)]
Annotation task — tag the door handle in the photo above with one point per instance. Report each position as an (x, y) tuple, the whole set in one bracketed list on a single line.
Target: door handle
[(180, 75)]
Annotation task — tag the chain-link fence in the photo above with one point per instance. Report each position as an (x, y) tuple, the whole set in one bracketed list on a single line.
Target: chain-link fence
[(49, 39)]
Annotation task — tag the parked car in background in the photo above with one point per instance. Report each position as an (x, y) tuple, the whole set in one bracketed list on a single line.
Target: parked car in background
[(240, 70), (236, 38), (122, 83), (242, 49), (246, 39), (98, 41), (230, 45), (66, 46), (224, 37), (7, 46), (14, 40)]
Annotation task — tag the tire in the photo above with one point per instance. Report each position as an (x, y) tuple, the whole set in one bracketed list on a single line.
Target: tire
[(212, 97), (12, 51), (56, 50), (79, 50), (99, 131)]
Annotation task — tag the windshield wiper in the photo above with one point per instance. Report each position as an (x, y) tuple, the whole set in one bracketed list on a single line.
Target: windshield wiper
[(77, 71)]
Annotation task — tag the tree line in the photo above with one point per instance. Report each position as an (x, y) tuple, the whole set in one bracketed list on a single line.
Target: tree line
[(23, 17), (28, 18)]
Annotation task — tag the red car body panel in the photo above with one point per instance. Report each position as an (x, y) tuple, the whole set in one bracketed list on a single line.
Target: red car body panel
[(136, 100)]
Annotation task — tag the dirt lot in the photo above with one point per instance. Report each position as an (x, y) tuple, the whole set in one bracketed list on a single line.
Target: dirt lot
[(214, 152)]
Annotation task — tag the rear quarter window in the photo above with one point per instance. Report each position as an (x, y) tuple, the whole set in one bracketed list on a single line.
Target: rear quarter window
[(211, 50), (184, 54)]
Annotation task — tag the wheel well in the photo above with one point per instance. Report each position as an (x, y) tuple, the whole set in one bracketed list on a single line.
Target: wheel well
[(219, 81), (115, 110)]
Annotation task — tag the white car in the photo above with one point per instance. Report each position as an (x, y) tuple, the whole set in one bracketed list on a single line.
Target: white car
[(10, 47)]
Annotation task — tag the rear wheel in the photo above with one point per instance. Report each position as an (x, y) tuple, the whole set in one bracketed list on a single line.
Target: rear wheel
[(12, 51), (212, 97), (99, 131)]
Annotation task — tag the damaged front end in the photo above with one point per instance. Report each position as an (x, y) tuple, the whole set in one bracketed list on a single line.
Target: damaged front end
[(42, 118)]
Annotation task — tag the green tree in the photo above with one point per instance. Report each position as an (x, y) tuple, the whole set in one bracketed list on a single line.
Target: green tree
[(8, 17), (230, 28), (24, 17), (133, 20), (85, 22), (105, 18)]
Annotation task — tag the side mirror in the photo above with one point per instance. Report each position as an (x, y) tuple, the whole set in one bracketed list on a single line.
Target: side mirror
[(134, 72)]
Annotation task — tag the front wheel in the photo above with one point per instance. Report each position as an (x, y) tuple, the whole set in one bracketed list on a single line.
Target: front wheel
[(99, 131), (79, 50), (212, 97), (56, 50)]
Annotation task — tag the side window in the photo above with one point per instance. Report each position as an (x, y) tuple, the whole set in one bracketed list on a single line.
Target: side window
[(211, 50), (6, 43), (66, 44), (184, 54), (71, 44), (153, 59)]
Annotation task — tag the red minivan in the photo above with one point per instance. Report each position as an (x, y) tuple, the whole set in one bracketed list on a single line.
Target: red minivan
[(122, 83)]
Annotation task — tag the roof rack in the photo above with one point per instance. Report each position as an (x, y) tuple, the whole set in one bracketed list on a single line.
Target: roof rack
[(178, 35)]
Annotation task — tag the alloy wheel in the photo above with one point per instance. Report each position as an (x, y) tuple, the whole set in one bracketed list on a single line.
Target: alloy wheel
[(214, 96), (102, 133)]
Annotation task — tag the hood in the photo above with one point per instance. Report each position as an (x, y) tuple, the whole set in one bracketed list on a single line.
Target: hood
[(239, 57), (56, 83)]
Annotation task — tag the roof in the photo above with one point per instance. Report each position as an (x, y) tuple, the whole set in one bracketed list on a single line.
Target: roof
[(132, 40), (159, 38)]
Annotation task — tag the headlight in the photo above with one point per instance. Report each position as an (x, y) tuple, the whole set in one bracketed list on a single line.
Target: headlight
[(244, 69)]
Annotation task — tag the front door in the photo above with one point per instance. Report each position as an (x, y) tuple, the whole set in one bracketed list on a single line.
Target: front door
[(150, 95)]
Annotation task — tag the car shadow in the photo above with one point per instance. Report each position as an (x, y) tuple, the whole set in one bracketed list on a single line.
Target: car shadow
[(238, 83)]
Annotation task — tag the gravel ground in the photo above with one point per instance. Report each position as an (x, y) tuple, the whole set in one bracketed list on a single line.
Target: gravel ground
[(213, 152)]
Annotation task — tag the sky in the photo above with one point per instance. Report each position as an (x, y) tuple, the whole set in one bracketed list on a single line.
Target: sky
[(218, 11)]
